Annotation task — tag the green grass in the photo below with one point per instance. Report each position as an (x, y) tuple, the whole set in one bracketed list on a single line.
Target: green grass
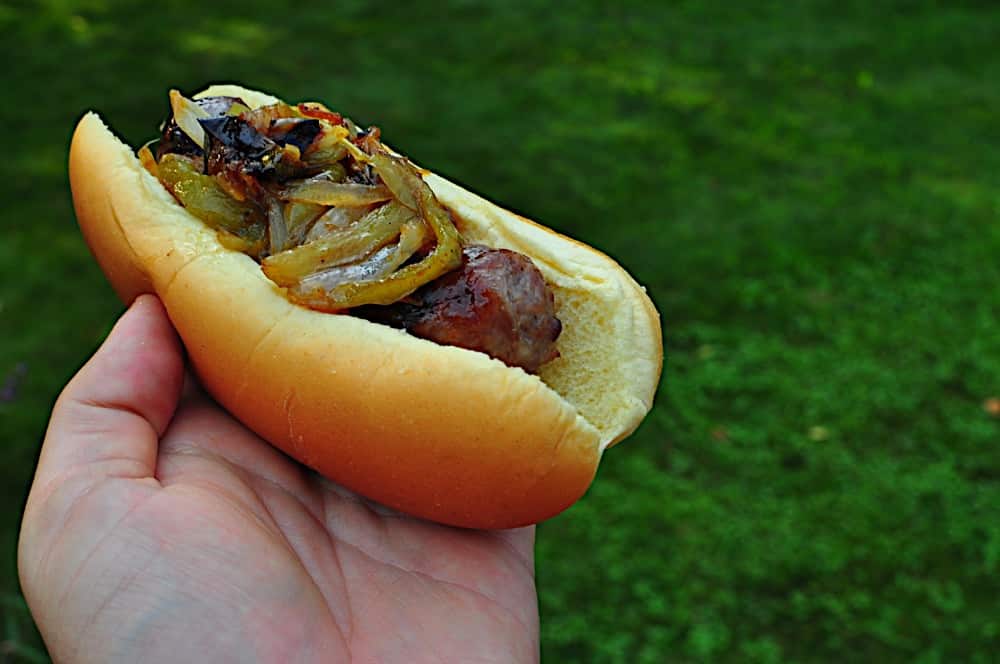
[(811, 193)]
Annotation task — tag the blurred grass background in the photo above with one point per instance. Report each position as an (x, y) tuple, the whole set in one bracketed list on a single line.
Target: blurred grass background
[(811, 193)]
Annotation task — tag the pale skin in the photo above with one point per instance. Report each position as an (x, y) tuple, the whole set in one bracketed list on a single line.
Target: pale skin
[(158, 529)]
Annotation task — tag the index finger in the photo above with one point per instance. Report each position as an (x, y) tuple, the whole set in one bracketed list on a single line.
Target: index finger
[(110, 416)]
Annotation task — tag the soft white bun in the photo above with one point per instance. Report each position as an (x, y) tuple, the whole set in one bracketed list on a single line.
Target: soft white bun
[(435, 431)]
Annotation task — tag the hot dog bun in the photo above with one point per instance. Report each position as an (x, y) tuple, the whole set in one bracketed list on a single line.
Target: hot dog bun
[(434, 431)]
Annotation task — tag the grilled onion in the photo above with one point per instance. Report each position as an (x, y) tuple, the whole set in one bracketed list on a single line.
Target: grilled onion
[(340, 194), (187, 113), (320, 289), (347, 246)]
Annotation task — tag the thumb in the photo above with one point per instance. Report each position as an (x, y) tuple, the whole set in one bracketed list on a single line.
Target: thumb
[(108, 420)]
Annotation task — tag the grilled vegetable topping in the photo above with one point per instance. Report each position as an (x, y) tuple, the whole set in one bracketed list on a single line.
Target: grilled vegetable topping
[(265, 176), (332, 215)]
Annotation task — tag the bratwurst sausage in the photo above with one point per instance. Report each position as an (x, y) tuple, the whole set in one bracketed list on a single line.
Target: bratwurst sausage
[(497, 302)]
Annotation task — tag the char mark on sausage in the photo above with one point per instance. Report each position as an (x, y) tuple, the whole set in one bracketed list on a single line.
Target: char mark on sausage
[(497, 302)]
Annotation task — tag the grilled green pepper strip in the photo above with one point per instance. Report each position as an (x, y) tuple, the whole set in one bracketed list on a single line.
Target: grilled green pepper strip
[(203, 197), (299, 218)]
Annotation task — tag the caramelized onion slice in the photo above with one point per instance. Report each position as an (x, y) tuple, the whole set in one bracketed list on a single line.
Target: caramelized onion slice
[(334, 220), (321, 289), (350, 245), (299, 220), (378, 265), (329, 148), (187, 113), (277, 231), (340, 194), (411, 239), (148, 161), (263, 117), (401, 178)]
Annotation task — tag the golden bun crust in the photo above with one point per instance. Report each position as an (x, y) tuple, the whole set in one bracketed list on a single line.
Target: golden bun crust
[(434, 431)]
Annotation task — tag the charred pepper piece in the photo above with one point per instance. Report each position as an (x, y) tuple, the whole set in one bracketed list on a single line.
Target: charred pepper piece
[(231, 141), (173, 140)]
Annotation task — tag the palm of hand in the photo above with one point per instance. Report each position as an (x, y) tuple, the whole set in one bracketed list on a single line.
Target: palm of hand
[(231, 552)]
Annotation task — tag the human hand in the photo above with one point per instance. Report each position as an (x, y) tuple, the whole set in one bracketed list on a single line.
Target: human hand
[(160, 529)]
